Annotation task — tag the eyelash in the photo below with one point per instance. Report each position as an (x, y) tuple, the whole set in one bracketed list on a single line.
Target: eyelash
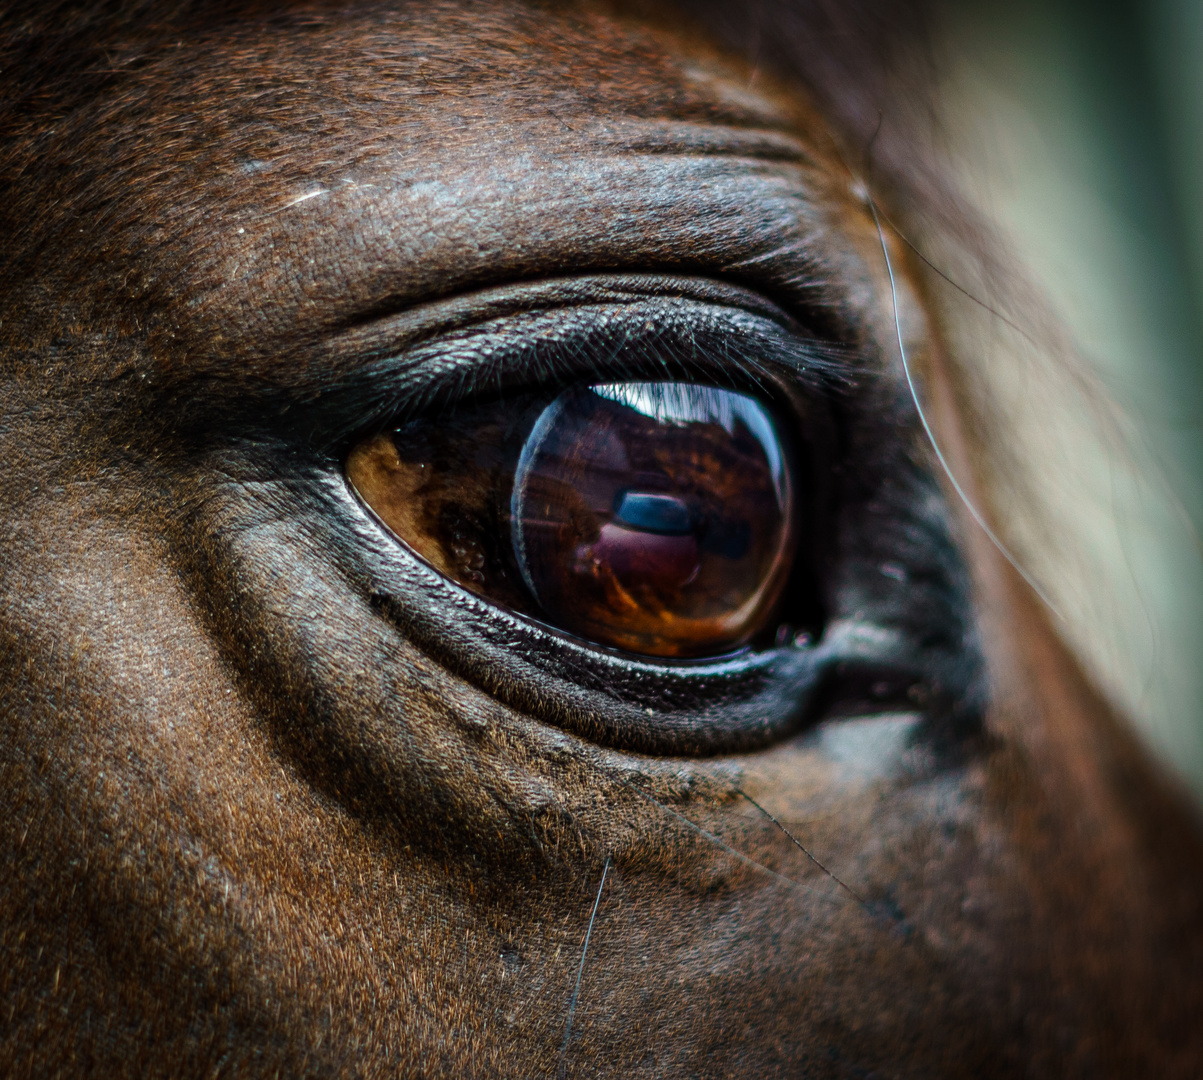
[(671, 340)]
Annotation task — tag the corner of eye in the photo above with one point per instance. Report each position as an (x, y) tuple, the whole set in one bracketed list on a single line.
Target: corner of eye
[(373, 467), (377, 474)]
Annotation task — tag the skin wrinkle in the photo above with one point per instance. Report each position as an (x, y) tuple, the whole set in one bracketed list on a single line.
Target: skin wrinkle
[(456, 238), (258, 826)]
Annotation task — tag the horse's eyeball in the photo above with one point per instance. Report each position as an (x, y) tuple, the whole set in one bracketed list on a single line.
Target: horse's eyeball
[(657, 518)]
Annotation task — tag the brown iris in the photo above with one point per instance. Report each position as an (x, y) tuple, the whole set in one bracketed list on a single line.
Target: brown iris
[(651, 517)]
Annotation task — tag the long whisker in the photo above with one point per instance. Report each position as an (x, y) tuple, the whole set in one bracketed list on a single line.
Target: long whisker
[(793, 840), (931, 435), (1176, 504), (990, 308), (581, 968)]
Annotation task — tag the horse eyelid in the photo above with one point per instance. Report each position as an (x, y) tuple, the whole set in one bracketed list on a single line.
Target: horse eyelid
[(551, 350)]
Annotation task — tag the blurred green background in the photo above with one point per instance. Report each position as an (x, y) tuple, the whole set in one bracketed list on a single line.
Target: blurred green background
[(1083, 124)]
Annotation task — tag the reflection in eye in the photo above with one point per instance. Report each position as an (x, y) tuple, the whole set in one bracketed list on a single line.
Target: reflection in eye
[(651, 517)]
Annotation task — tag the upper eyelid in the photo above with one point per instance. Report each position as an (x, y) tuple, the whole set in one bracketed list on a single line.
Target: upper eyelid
[(670, 338), (385, 329)]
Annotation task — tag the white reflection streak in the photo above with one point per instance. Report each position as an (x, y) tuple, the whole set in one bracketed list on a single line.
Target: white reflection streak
[(685, 403)]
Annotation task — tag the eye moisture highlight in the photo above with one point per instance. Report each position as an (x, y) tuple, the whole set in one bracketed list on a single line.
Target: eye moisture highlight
[(656, 518)]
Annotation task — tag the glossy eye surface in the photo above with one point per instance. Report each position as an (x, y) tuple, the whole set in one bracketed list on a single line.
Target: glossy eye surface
[(656, 518)]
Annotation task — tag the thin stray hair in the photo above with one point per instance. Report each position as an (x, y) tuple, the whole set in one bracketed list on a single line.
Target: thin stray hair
[(976, 514), (581, 968)]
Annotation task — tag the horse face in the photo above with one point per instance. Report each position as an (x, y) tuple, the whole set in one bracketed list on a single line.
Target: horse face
[(284, 797)]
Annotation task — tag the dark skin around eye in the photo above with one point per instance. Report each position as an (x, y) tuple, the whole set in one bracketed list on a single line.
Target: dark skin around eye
[(261, 814)]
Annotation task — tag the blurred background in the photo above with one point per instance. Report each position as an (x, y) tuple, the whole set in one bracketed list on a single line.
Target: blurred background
[(1082, 128)]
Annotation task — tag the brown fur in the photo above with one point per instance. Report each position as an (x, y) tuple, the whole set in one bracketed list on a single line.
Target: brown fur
[(255, 828)]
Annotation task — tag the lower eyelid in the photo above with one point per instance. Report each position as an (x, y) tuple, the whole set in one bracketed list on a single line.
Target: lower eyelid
[(693, 708)]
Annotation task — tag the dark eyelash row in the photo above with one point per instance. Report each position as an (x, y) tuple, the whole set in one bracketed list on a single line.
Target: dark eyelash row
[(678, 339)]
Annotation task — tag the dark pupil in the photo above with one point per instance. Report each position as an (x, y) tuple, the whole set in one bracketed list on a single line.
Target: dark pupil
[(653, 516)]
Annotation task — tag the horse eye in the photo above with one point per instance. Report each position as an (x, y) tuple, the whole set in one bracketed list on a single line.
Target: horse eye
[(656, 518)]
